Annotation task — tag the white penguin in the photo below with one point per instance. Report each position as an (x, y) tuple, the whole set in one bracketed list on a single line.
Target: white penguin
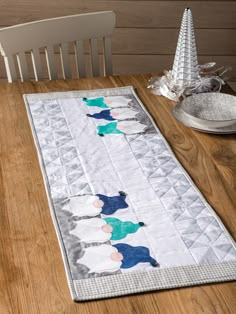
[(131, 127), (85, 205), (92, 230), (102, 258), (116, 101), (123, 113)]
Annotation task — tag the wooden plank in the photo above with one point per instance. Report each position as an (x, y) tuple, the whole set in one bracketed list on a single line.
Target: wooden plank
[(145, 41), (10, 68), (232, 84), (94, 56), (21, 60), (79, 58), (207, 14), (107, 60), (30, 259), (65, 61), (156, 63), (37, 66), (164, 41), (52, 73), (126, 64)]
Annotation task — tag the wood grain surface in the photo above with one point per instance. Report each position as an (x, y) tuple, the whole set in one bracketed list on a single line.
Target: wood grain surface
[(32, 275)]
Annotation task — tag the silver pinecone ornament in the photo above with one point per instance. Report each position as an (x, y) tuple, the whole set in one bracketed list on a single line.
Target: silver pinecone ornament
[(185, 69)]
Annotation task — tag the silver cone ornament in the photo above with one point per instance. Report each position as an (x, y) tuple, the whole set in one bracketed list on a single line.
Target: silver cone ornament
[(185, 69), (186, 76)]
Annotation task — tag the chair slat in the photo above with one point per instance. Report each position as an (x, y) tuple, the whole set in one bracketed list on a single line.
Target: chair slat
[(65, 61), (107, 61), (37, 65), (48, 33), (52, 73), (94, 57), (10, 69), (24, 75), (79, 58)]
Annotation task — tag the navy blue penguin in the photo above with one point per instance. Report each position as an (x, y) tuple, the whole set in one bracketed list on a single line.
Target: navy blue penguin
[(112, 203), (132, 255), (104, 114)]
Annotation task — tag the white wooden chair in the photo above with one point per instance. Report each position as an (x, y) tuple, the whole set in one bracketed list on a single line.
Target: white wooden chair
[(17, 41)]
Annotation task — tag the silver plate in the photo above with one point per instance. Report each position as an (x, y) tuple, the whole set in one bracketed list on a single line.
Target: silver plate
[(185, 119), (209, 112)]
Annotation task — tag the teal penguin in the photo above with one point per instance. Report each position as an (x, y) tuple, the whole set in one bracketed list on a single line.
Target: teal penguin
[(110, 128), (95, 102), (122, 228)]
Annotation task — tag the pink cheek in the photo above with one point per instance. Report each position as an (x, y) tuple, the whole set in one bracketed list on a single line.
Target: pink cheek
[(98, 204), (116, 256), (121, 127), (107, 228), (107, 101), (114, 114)]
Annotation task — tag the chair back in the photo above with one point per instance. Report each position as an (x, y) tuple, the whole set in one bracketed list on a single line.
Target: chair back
[(22, 42)]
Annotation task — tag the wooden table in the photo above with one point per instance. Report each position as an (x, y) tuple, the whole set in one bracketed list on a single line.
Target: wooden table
[(32, 275)]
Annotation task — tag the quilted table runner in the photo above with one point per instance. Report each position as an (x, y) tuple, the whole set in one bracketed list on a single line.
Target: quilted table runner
[(127, 215)]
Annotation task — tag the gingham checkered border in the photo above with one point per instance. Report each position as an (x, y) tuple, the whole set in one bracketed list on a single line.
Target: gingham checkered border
[(135, 282)]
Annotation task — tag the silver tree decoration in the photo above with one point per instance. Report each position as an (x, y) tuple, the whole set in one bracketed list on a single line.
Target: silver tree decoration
[(185, 69), (186, 76)]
